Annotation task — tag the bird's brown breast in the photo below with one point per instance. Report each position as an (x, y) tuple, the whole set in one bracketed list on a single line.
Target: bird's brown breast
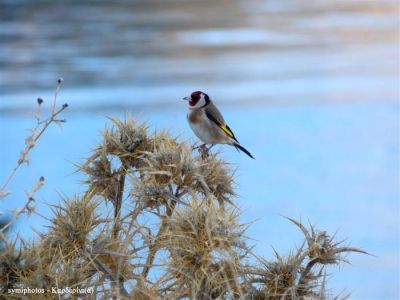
[(194, 116)]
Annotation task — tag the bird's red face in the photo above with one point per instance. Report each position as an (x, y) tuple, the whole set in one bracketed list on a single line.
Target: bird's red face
[(197, 99), (194, 98)]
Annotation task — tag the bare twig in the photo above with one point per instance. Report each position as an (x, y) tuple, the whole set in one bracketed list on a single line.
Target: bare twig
[(28, 206), (37, 132)]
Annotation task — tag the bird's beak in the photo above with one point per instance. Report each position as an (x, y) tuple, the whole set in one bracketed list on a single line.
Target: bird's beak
[(186, 99)]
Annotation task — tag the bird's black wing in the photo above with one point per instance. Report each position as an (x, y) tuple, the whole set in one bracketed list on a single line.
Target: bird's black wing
[(224, 127)]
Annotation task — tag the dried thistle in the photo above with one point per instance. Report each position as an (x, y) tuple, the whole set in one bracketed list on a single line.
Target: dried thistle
[(199, 240), (103, 180), (214, 176), (169, 162), (277, 279), (10, 265), (150, 195), (300, 275), (126, 139), (204, 246), (73, 222)]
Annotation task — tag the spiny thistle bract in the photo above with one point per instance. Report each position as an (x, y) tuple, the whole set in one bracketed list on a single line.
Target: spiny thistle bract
[(300, 275), (172, 232)]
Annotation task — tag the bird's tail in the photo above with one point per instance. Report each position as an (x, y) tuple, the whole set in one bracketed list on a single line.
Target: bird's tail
[(240, 147)]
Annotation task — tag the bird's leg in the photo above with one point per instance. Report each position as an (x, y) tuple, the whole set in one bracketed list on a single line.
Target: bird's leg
[(203, 150), (198, 147)]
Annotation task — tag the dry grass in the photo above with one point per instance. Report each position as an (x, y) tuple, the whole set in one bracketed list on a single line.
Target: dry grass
[(159, 222)]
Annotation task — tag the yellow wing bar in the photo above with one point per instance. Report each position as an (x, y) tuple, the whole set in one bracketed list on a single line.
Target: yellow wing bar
[(227, 130)]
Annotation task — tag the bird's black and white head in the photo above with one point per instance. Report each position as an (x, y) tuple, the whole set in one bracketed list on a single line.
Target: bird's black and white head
[(197, 99)]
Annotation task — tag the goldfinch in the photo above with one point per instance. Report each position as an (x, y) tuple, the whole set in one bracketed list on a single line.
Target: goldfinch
[(208, 124)]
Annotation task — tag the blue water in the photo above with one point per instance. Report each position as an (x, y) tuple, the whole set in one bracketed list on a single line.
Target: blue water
[(309, 87)]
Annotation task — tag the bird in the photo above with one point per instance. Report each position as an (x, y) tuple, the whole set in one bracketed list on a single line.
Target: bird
[(208, 124)]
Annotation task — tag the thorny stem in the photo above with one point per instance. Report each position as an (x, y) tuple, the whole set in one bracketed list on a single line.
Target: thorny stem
[(118, 205), (107, 271), (117, 223), (303, 277), (153, 248), (307, 270)]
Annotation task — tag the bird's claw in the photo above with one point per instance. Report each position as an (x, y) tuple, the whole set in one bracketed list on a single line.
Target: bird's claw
[(204, 151)]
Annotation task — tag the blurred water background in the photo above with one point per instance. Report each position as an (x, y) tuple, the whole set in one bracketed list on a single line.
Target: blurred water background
[(309, 87)]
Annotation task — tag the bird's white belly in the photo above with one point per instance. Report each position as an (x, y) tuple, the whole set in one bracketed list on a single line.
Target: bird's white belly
[(203, 133)]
